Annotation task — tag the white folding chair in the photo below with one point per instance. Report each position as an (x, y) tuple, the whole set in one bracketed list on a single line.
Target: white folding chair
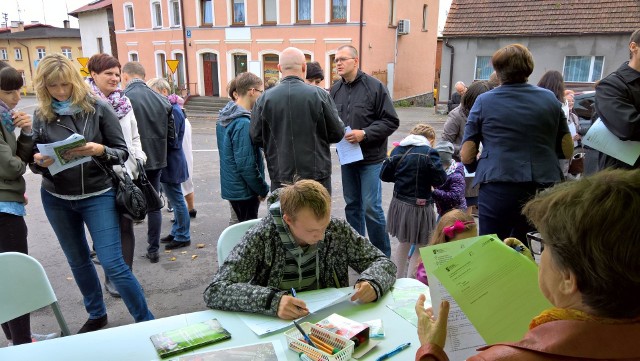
[(231, 236), (24, 287)]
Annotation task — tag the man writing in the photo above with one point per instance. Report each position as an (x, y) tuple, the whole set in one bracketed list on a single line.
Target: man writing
[(298, 245)]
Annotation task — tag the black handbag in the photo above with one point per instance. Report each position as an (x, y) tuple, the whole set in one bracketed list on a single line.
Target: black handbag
[(130, 200), (154, 200)]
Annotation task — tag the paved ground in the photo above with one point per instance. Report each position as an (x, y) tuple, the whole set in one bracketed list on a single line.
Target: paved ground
[(171, 287)]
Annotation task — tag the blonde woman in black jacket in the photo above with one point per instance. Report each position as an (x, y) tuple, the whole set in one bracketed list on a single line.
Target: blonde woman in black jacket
[(84, 194)]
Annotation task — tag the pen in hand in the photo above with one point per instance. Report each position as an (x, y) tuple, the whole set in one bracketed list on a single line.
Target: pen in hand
[(394, 351)]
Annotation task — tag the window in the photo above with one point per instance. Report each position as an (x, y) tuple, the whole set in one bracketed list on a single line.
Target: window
[(425, 14), (338, 10), (303, 11), (180, 71), (206, 7), (3, 54), (161, 65), (156, 14), (334, 72), (133, 57), (239, 63), (237, 12), (583, 69), (174, 12), (270, 66), (269, 11), (392, 12), (17, 52), (67, 52), (129, 22), (483, 68), (100, 46), (41, 53)]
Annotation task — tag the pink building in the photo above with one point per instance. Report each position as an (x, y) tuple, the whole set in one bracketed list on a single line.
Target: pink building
[(215, 40)]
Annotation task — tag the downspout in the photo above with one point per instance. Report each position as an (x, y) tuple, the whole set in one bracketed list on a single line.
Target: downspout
[(361, 22), (453, 53), (184, 46)]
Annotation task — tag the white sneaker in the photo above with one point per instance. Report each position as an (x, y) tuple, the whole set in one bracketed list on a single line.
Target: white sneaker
[(35, 337)]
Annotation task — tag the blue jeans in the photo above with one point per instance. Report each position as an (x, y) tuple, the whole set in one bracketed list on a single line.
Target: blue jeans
[(154, 218), (180, 228), (362, 192), (68, 218)]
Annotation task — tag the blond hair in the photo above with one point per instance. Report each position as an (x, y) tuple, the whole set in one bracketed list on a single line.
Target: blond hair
[(159, 84), (424, 130), (58, 68), (305, 193), (448, 220)]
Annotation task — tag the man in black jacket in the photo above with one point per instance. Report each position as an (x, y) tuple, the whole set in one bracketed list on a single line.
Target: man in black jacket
[(364, 104), (295, 123), (618, 103), (155, 124)]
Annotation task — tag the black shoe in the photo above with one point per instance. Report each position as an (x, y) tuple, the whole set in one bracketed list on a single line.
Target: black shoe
[(167, 239), (93, 324), (153, 257), (176, 244), (193, 212), (111, 288)]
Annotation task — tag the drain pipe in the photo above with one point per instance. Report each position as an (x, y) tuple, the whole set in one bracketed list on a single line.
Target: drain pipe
[(184, 46), (361, 22), (453, 53)]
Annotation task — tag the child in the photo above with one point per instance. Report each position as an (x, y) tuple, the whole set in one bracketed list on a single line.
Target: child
[(453, 226), (450, 195), (414, 166)]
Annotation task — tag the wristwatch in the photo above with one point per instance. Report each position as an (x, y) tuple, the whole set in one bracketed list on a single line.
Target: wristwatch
[(365, 135)]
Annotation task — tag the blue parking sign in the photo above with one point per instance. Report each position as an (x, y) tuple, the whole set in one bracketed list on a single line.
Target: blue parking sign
[(188, 33)]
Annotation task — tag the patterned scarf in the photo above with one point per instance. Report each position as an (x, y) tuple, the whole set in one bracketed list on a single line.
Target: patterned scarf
[(6, 115), (118, 101), (555, 314), (452, 167), (65, 107)]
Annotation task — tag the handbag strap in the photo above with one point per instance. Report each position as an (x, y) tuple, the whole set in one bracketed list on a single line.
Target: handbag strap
[(405, 154)]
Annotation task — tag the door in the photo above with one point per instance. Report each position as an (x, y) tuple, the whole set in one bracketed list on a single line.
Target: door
[(210, 73)]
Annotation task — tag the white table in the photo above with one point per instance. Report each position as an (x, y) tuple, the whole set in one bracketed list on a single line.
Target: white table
[(131, 342)]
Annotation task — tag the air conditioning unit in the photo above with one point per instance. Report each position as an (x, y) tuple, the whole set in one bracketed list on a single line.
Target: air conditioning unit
[(404, 26)]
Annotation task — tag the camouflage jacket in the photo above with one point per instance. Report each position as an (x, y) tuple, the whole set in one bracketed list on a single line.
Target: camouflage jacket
[(249, 278)]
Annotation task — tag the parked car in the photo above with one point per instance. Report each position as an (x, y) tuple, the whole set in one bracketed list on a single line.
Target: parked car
[(584, 107)]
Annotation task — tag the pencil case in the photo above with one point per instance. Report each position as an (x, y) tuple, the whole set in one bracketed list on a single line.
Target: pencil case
[(295, 343)]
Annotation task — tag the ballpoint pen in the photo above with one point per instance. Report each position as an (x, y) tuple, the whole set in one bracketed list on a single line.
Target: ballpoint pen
[(304, 334), (394, 351)]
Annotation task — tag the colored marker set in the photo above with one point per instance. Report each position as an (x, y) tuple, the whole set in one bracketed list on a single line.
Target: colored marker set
[(318, 344)]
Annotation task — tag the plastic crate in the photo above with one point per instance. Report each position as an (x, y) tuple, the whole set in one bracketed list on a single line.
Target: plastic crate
[(344, 344)]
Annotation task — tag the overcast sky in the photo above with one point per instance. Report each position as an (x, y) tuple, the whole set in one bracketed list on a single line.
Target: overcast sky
[(52, 12), (442, 16)]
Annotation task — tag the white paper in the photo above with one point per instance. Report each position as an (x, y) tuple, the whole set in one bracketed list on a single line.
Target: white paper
[(462, 337), (348, 152), (56, 149), (236, 353), (315, 300), (600, 138)]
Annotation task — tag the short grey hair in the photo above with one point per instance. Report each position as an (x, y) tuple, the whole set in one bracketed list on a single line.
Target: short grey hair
[(159, 84), (134, 68)]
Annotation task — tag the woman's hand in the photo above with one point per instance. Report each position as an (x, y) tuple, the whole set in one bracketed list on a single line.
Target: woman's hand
[(291, 308), (577, 137), (430, 329), (519, 247), (42, 160), (364, 292), (90, 149), (22, 120)]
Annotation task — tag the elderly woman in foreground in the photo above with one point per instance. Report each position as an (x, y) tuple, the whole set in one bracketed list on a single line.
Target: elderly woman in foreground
[(589, 271)]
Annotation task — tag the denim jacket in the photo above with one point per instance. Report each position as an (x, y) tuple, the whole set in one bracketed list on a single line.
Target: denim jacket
[(414, 167)]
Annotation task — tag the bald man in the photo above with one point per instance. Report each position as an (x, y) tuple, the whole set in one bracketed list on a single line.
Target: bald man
[(457, 96), (295, 123)]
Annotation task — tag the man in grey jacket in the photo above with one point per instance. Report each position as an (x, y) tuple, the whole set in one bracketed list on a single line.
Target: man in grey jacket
[(155, 125), (294, 123)]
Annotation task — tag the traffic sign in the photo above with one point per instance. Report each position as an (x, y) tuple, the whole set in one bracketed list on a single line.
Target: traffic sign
[(188, 34), (83, 61), (173, 65)]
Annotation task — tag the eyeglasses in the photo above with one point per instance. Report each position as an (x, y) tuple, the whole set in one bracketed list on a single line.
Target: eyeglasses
[(341, 60), (536, 242), (258, 90)]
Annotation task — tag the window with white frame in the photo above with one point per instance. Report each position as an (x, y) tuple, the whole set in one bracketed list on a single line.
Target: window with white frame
[(483, 68), (67, 52), (3, 54), (161, 65), (583, 69), (338, 10), (392, 12), (41, 52), (133, 57), (303, 11), (179, 75), (425, 14), (156, 14), (17, 53), (129, 22), (269, 11), (237, 12), (174, 13), (100, 45), (206, 9)]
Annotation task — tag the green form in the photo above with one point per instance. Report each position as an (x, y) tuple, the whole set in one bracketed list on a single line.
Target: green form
[(496, 287)]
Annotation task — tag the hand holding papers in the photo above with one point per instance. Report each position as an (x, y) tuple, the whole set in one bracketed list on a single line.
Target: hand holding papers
[(348, 152), (57, 150)]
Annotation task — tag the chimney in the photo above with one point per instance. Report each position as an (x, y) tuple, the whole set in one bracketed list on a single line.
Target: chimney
[(17, 26), (66, 24)]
